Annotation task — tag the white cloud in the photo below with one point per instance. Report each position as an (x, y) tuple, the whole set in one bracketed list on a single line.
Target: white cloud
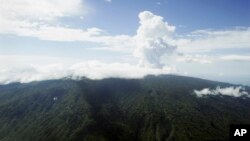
[(153, 39), (229, 91), (207, 40), (89, 69), (40, 19), (30, 14), (40, 10), (245, 58), (202, 59), (55, 33)]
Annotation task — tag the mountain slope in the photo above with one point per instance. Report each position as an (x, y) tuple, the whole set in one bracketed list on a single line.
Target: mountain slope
[(156, 108)]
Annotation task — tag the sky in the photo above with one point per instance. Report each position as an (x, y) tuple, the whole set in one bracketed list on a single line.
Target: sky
[(53, 39)]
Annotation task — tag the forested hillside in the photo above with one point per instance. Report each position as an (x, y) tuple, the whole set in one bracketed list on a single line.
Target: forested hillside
[(156, 108)]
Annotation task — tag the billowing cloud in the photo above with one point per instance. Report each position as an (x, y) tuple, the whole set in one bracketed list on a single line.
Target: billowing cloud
[(153, 39), (229, 91)]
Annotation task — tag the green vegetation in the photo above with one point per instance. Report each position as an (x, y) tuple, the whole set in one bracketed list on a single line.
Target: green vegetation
[(161, 108)]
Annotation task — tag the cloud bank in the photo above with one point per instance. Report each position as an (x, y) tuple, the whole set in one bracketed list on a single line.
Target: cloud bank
[(89, 69), (244, 58), (202, 59), (207, 40), (229, 91)]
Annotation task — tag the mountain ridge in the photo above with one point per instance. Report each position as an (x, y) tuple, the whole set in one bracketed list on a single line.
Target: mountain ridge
[(155, 108)]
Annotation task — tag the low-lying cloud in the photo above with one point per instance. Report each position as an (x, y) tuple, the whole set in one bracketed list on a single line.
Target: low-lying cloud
[(89, 69), (202, 59), (229, 91), (242, 58)]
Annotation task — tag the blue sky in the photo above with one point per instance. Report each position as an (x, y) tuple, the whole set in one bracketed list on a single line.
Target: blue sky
[(207, 39), (189, 15)]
